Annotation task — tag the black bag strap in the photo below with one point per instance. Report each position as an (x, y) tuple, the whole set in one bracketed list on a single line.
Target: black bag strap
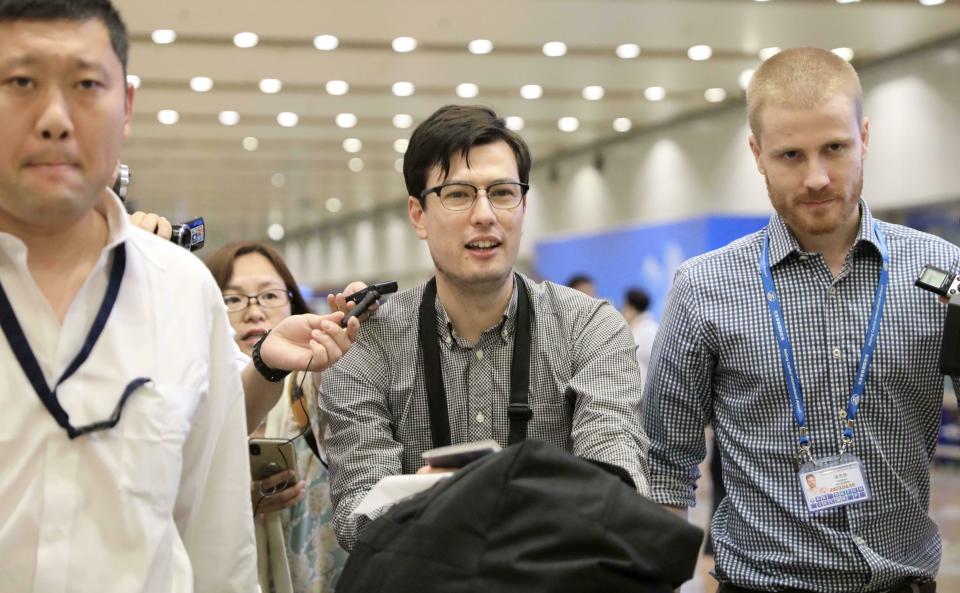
[(433, 375), (518, 411)]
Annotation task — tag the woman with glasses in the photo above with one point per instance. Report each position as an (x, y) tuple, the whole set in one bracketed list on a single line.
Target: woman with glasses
[(296, 546)]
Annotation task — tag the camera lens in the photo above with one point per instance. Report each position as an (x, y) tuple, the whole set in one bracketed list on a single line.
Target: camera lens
[(254, 449), (180, 235)]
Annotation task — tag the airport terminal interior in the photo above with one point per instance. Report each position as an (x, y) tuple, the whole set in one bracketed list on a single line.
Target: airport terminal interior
[(287, 122)]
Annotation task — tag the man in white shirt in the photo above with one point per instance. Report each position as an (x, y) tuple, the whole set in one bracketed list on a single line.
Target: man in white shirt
[(122, 430), (643, 325)]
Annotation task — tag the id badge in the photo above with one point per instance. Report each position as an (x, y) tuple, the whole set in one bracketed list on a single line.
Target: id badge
[(833, 482)]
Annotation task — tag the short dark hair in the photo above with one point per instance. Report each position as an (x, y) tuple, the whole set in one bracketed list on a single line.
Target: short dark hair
[(72, 10), (221, 261), (638, 299), (578, 279), (454, 129)]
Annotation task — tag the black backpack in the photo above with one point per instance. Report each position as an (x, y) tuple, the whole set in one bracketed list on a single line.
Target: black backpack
[(529, 519)]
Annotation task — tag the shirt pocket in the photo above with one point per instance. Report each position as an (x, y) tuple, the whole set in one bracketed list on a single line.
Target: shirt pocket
[(153, 428)]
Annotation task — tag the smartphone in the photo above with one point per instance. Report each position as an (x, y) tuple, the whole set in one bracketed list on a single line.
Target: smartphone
[(269, 456), (457, 456)]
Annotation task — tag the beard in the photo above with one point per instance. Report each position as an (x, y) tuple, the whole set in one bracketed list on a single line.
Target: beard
[(818, 222)]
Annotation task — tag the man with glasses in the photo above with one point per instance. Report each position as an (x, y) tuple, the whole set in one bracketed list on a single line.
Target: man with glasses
[(122, 429), (478, 352)]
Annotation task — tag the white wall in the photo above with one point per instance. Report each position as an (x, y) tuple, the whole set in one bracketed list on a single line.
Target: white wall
[(693, 167)]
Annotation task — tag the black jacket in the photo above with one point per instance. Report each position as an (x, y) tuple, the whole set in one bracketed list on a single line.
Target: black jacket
[(529, 519)]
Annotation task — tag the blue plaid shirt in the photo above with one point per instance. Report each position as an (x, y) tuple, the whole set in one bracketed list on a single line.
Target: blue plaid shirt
[(715, 360)]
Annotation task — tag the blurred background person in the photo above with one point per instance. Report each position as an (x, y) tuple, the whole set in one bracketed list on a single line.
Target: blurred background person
[(584, 284), (636, 305), (296, 547)]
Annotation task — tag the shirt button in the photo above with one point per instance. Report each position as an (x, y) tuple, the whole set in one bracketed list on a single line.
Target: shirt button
[(842, 414), (832, 291), (858, 540), (837, 353), (480, 354), (480, 418), (449, 339)]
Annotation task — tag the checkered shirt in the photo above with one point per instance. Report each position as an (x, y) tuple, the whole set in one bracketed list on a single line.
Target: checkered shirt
[(716, 360), (584, 391)]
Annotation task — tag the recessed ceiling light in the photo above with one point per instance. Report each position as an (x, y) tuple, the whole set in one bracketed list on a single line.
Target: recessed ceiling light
[(654, 93), (744, 78), (275, 231), (334, 205), (201, 84), (568, 124), (278, 180), (628, 51), (337, 87), (168, 117), (163, 36), (134, 80), (715, 95), (480, 46), (622, 124), (326, 42), (398, 165), (699, 53), (345, 120), (288, 119), (402, 45), (403, 89), (402, 121), (531, 91), (768, 52), (847, 1), (246, 40), (761, 0), (467, 90), (932, 2), (250, 143), (554, 49), (514, 122), (355, 164), (270, 85), (844, 52), (400, 145), (352, 145), (229, 118), (592, 93)]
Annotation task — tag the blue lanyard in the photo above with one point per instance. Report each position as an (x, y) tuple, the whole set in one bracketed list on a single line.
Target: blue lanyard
[(31, 368), (786, 350)]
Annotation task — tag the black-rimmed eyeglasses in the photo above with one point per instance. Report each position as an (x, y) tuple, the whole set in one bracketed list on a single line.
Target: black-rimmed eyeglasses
[(461, 196), (276, 297)]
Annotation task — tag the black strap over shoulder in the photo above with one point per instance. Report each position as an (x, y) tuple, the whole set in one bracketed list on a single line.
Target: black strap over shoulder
[(433, 376), (518, 412)]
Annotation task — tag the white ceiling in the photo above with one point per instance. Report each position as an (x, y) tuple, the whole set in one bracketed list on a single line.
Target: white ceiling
[(199, 167)]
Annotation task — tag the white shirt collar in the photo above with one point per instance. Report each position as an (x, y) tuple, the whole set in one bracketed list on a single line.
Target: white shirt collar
[(109, 205)]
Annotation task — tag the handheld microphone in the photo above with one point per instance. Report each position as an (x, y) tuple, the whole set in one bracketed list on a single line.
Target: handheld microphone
[(367, 297)]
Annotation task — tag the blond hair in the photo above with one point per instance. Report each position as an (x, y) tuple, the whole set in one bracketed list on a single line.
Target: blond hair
[(801, 78)]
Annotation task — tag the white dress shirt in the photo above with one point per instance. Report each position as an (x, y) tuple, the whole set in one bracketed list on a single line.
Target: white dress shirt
[(161, 502), (644, 329)]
